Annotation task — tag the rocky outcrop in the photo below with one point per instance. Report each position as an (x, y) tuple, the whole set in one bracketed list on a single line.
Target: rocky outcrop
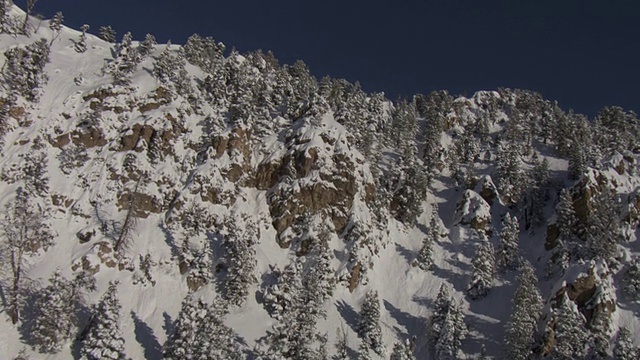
[(473, 211), (487, 189), (315, 176), (590, 287)]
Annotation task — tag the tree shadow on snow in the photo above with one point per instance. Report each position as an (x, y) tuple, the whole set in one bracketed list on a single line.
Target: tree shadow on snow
[(170, 240), (349, 315), (457, 280), (486, 321), (168, 324), (411, 324), (405, 253), (146, 338)]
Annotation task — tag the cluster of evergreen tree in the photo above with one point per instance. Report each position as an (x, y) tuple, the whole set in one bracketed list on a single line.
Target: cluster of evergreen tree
[(448, 328), (200, 333)]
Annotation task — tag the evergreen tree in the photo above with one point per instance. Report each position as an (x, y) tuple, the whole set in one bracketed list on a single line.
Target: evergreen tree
[(600, 328), (278, 298), (511, 180), (567, 219), (169, 67), (364, 353), (632, 279), (181, 343), (425, 255), (56, 26), (107, 34), (81, 45), (125, 61), (204, 52), (369, 328), (483, 271), (571, 335), (241, 263), (408, 187), (401, 351), (507, 257), (214, 340), (441, 308), (5, 20), (57, 306), (25, 232), (452, 333), (527, 307), (146, 46), (603, 233), (23, 71), (104, 339), (623, 348), (295, 335)]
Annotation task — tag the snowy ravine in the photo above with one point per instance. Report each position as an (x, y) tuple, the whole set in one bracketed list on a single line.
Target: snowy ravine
[(193, 177)]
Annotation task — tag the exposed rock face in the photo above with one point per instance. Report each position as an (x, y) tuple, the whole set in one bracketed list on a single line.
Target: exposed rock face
[(487, 189), (590, 287), (313, 176), (474, 211), (584, 191), (143, 204)]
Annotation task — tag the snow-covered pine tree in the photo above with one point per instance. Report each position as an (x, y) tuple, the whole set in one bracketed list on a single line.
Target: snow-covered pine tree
[(320, 269), (402, 351), (623, 348), (205, 53), (4, 16), (107, 34), (632, 279), (146, 46), (278, 298), (425, 255), (181, 343), (369, 329), (507, 256), (214, 340), (125, 62), (483, 270), (571, 335), (522, 325), (453, 332), (603, 233), (240, 259), (295, 335), (408, 187), (55, 25), (104, 339), (600, 328), (441, 308), (511, 180), (567, 219), (25, 232), (57, 310), (200, 266), (80, 46), (364, 352), (169, 68), (23, 71)]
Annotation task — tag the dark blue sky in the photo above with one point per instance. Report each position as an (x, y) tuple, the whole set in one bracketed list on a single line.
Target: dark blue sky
[(583, 53)]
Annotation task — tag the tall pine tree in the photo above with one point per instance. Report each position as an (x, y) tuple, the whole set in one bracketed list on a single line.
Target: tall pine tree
[(104, 339)]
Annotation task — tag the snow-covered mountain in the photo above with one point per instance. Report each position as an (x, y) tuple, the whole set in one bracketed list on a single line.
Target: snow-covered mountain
[(194, 203)]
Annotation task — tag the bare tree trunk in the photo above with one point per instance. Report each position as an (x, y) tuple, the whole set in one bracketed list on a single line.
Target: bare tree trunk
[(14, 302), (128, 220)]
